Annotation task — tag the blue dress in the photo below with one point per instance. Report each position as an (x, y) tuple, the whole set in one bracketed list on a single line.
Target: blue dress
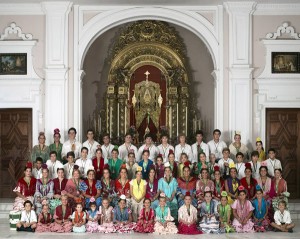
[(145, 168), (91, 192)]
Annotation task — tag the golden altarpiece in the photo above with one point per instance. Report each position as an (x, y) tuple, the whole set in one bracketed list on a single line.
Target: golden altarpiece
[(148, 85)]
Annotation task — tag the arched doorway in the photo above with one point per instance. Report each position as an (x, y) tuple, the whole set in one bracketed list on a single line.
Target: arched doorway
[(99, 24)]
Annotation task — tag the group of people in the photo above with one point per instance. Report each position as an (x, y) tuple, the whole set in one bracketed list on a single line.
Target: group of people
[(202, 188)]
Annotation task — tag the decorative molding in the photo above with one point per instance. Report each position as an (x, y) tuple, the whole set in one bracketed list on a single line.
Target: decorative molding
[(265, 9), (21, 9), (285, 28), (14, 29)]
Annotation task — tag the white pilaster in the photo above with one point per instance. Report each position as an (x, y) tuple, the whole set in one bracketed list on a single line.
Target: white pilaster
[(56, 67), (240, 71)]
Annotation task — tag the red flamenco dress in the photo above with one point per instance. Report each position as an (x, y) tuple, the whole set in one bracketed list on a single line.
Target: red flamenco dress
[(145, 222)]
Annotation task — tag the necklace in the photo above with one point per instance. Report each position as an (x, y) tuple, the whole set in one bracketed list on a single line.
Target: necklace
[(107, 184), (113, 165), (187, 182), (151, 185), (145, 164), (165, 149), (83, 165), (28, 182), (216, 147), (188, 210), (107, 151), (76, 185), (28, 216), (53, 168), (91, 187)]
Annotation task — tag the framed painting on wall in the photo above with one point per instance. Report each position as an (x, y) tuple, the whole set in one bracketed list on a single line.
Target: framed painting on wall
[(13, 63), (286, 62)]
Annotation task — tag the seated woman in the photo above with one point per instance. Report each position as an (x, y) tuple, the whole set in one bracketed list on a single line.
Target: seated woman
[(122, 217), (138, 193), (25, 188), (62, 216), (224, 211), (59, 185), (79, 219), (72, 188), (242, 212), (209, 213), (28, 218), (44, 190), (108, 187), (98, 163), (202, 183), (187, 217), (186, 183), (44, 220), (168, 185), (152, 191), (145, 222), (279, 190), (159, 167), (131, 165), (260, 213), (91, 188), (106, 217), (163, 220), (200, 164), (265, 182), (219, 184), (173, 164), (122, 186), (248, 182), (231, 184), (145, 163)]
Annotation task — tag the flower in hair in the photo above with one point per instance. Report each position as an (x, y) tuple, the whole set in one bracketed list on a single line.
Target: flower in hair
[(123, 197), (139, 168), (224, 194), (162, 195), (241, 188), (167, 164), (92, 199)]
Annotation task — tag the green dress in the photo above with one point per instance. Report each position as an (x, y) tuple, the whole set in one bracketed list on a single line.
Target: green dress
[(114, 167), (38, 152), (223, 214), (52, 147)]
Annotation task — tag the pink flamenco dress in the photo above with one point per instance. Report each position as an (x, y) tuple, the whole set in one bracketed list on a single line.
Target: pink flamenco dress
[(163, 215), (145, 222), (242, 212), (106, 220), (92, 224), (44, 223)]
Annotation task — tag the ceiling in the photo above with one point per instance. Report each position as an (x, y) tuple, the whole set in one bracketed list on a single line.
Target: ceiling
[(150, 2)]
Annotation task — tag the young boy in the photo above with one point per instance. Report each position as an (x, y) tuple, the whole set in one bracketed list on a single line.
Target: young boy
[(272, 162), (53, 165), (68, 167), (255, 164), (240, 166), (84, 163), (282, 219), (28, 220), (37, 171), (224, 163)]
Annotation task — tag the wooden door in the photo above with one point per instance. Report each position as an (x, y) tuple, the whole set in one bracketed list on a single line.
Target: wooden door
[(282, 133), (15, 144)]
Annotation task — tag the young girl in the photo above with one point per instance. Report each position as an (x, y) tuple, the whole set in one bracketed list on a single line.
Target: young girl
[(173, 164), (212, 165), (260, 213), (282, 219), (187, 217), (145, 222), (131, 165), (240, 165), (163, 220), (93, 217), (106, 217), (224, 211), (209, 213), (248, 182), (28, 218), (260, 149), (242, 212), (184, 160), (201, 164), (159, 167), (44, 220), (79, 219), (122, 217)]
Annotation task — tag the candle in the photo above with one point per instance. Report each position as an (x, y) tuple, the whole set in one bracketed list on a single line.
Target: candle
[(177, 120)]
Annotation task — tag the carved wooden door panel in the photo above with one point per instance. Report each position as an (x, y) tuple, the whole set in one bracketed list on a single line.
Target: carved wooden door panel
[(283, 134), (15, 143)]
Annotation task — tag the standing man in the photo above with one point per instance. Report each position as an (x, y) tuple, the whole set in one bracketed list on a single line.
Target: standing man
[(91, 144), (84, 163), (148, 145), (216, 145), (183, 147), (126, 148), (200, 147), (53, 165), (164, 148), (107, 147), (71, 145)]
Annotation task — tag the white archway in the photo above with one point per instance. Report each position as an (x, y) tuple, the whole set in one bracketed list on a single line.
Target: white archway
[(84, 36)]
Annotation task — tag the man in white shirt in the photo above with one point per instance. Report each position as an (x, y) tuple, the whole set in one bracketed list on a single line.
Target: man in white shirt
[(71, 145), (240, 165), (84, 163), (216, 145), (255, 164), (199, 147), (69, 166), (183, 147), (225, 162), (164, 148), (272, 162), (53, 165), (150, 146), (126, 148), (107, 147), (91, 144), (37, 171)]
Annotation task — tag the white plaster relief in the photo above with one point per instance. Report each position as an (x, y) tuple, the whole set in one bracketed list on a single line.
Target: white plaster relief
[(285, 28), (14, 29)]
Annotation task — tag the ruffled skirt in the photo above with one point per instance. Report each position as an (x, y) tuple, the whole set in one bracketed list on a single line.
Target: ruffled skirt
[(210, 225), (262, 226), (128, 228), (188, 229), (19, 203), (144, 227), (80, 229), (40, 227), (169, 229), (92, 226), (248, 227), (106, 228), (53, 204), (61, 228)]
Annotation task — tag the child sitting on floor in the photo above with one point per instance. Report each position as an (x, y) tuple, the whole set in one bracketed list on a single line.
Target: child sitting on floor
[(28, 218), (93, 217), (145, 222), (79, 219), (282, 218), (44, 219), (224, 211)]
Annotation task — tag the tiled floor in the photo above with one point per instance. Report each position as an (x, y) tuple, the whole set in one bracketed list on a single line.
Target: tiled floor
[(6, 233)]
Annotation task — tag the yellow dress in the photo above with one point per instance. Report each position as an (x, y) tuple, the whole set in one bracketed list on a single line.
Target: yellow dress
[(138, 189)]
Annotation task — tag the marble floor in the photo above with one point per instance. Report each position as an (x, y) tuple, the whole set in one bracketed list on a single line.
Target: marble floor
[(5, 232)]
